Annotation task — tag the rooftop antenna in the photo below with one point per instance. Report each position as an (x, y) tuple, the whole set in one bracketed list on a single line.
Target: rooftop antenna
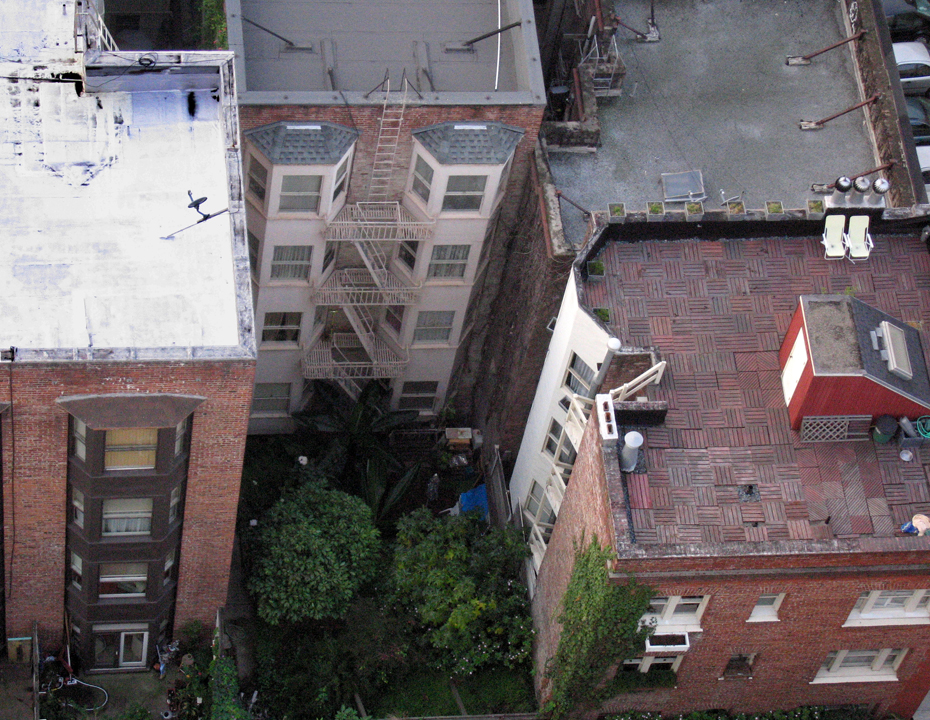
[(195, 205)]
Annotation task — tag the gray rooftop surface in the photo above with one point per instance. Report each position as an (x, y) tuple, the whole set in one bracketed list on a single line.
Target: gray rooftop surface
[(716, 95), (319, 143), (361, 41), (470, 143)]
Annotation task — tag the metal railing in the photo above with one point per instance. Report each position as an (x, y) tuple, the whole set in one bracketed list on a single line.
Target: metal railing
[(377, 221), (331, 359), (356, 286), (90, 32)]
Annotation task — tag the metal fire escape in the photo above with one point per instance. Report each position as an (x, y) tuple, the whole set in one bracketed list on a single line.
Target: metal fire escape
[(373, 227)]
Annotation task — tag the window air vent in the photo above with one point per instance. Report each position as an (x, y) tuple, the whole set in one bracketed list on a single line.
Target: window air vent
[(895, 353)]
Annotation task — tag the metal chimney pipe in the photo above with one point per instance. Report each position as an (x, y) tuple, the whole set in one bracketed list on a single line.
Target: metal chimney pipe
[(629, 455), (613, 347)]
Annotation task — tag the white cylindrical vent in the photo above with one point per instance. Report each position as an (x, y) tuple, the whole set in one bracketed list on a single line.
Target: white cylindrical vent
[(843, 184), (862, 184), (629, 456), (881, 186)]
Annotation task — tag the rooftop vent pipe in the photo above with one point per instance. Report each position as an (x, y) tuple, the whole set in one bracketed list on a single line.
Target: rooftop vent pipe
[(629, 455), (842, 186)]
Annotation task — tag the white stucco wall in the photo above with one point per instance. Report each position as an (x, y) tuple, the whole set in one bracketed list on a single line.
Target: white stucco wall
[(575, 331)]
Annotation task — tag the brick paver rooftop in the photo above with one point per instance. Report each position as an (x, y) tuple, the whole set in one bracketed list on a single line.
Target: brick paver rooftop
[(718, 312)]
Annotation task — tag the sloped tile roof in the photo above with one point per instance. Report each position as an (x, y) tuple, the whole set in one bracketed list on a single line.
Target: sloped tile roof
[(453, 143), (307, 143)]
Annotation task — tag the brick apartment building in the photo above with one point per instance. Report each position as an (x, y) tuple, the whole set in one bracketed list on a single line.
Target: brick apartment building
[(128, 375), (780, 574), (385, 171)]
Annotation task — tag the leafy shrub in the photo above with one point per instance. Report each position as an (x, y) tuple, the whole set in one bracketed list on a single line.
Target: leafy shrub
[(460, 580), (315, 548), (224, 684), (135, 712)]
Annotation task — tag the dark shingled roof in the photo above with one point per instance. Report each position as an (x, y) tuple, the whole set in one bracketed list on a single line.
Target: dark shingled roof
[(303, 143), (473, 143)]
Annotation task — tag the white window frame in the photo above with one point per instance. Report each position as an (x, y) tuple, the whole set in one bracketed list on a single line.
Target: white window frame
[(174, 503), (395, 314), (341, 178), (644, 663), (170, 561), (766, 608), (291, 263), (258, 185), (882, 668), (77, 571), (408, 251), (445, 264), (668, 621), (681, 647), (133, 514), (417, 176), (458, 194), (79, 434), (128, 577), (313, 194), (125, 629), (289, 325), (77, 507), (180, 435), (418, 391), (427, 332), (558, 446), (872, 608), (281, 400), (540, 516), (254, 252), (577, 375)]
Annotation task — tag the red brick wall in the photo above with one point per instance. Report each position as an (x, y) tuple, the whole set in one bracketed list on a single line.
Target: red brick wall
[(584, 514), (35, 495), (789, 652)]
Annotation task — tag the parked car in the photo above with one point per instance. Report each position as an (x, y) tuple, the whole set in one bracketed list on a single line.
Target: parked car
[(913, 61), (918, 112), (908, 19)]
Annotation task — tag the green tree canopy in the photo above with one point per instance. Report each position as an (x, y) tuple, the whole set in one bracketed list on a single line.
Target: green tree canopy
[(461, 581), (315, 549)]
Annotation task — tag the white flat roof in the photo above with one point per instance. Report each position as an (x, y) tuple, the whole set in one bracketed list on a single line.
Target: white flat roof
[(89, 188), (94, 196)]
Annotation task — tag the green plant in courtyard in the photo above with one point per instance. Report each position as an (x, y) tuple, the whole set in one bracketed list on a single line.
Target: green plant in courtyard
[(600, 627), (315, 549), (460, 580), (358, 457), (135, 712)]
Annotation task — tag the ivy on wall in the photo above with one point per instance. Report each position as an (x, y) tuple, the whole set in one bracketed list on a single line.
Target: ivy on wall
[(600, 629)]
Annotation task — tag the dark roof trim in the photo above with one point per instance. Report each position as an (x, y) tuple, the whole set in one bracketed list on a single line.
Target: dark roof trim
[(303, 143), (104, 412), (470, 143)]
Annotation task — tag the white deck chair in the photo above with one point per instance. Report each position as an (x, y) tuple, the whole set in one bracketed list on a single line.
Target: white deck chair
[(858, 241), (833, 234)]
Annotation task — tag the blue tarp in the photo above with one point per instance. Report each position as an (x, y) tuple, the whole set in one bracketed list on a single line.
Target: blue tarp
[(476, 499)]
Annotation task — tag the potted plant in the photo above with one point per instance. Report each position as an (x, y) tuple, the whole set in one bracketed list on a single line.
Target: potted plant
[(602, 314), (736, 209), (655, 210), (774, 210), (595, 269), (815, 209), (694, 211), (616, 212)]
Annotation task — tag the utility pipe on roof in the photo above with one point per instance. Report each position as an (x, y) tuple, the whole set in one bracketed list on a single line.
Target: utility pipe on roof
[(613, 347), (497, 71)]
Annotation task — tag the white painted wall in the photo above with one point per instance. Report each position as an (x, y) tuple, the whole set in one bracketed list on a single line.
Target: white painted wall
[(575, 331)]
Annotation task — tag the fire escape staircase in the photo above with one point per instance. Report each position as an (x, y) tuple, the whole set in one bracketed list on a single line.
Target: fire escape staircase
[(351, 358), (603, 57)]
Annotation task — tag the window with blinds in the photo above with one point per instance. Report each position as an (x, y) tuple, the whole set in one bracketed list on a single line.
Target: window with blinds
[(130, 449)]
